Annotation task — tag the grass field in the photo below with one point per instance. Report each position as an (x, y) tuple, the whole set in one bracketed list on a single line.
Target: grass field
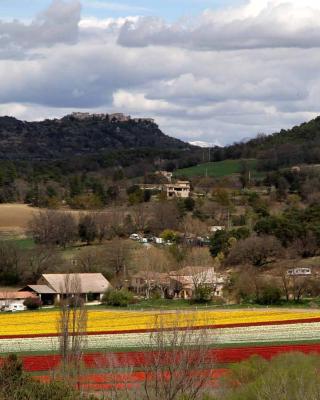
[(218, 169)]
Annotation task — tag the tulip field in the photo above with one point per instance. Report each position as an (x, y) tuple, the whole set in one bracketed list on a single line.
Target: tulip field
[(124, 338)]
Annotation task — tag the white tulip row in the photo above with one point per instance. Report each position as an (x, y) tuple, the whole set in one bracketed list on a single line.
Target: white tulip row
[(248, 334)]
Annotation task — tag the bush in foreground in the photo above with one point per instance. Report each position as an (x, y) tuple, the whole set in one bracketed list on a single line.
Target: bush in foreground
[(118, 298), (291, 376), (15, 384)]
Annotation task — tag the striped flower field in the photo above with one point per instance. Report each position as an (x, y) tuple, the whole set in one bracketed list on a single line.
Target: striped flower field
[(124, 338)]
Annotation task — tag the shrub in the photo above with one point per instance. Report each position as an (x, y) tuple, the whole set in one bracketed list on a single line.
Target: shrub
[(32, 303), (202, 294), (189, 204), (118, 298), (270, 295), (168, 235)]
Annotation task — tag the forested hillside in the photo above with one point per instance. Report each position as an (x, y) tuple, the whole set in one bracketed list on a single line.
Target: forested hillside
[(78, 136), (298, 145)]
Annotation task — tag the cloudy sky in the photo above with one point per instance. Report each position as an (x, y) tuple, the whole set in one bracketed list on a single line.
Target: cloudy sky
[(214, 71)]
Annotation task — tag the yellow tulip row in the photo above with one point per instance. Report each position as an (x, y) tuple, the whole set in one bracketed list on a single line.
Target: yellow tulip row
[(42, 323)]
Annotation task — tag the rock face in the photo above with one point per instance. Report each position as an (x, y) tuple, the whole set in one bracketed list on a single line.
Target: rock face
[(80, 134)]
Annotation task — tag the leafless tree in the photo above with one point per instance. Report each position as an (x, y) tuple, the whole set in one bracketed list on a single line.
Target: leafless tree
[(39, 260), (103, 225), (190, 225), (153, 264), (179, 365), (300, 286), (140, 217), (72, 327), (117, 255), (256, 250), (296, 286), (50, 227), (306, 245), (165, 216)]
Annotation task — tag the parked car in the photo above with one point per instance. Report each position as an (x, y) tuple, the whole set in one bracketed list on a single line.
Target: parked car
[(14, 307), (135, 236)]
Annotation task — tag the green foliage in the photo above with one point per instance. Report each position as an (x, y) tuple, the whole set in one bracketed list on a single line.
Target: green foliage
[(202, 294), (259, 206), (293, 376), (169, 235), (219, 243), (294, 224), (32, 303), (117, 298), (270, 295), (222, 240)]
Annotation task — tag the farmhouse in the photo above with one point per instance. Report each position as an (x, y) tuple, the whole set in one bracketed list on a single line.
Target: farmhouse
[(184, 281), (178, 189), (53, 287)]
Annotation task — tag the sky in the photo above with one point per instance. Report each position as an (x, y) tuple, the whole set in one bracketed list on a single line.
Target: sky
[(208, 71)]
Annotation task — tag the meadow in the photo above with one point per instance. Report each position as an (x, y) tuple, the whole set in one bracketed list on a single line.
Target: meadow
[(218, 169)]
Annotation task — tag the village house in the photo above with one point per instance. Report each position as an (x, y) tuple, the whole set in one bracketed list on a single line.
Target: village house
[(180, 189), (52, 287), (184, 282)]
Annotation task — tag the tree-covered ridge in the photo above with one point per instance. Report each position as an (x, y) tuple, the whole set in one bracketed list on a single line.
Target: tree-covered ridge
[(299, 145), (75, 137)]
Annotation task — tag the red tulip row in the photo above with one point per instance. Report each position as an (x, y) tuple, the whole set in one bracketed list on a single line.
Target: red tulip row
[(131, 377), (131, 380), (141, 359)]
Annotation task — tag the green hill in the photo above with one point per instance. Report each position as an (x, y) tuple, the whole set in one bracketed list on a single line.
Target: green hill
[(299, 145)]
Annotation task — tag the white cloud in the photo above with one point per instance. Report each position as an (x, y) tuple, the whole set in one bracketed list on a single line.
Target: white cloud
[(138, 102), (259, 24), (58, 24)]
